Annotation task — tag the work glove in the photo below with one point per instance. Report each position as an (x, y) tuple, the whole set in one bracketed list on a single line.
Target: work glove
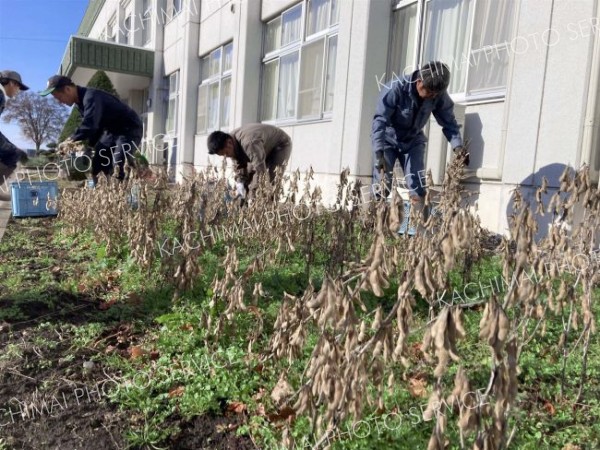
[(463, 154), (379, 160), (69, 145)]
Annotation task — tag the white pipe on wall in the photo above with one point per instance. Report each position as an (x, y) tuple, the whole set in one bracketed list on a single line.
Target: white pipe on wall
[(591, 128)]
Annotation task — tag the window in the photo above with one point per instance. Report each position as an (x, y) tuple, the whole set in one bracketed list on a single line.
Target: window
[(127, 30), (214, 92), (146, 21), (299, 62), (471, 36), (171, 125), (173, 8), (110, 33)]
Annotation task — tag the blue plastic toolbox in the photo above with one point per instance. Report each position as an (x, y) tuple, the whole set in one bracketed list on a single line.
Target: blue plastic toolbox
[(34, 198)]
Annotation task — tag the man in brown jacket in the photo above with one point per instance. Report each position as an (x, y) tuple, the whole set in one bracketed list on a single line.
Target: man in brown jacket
[(255, 147)]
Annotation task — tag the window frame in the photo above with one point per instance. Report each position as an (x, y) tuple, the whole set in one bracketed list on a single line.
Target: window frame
[(218, 79), (173, 95), (298, 46), (146, 20), (110, 25), (459, 97), (172, 13)]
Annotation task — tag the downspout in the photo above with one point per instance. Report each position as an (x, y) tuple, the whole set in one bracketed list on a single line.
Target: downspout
[(591, 129), (347, 83)]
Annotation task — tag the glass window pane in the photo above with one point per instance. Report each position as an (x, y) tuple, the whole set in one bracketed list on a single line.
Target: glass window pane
[(404, 35), (205, 67), (447, 30), (215, 63), (225, 102), (288, 86), (176, 7), (489, 70), (273, 36), (171, 116), (269, 90), (292, 22), (213, 105), (311, 79), (146, 24), (126, 30), (227, 57), (494, 23), (330, 79), (173, 83), (335, 11), (318, 16), (202, 107)]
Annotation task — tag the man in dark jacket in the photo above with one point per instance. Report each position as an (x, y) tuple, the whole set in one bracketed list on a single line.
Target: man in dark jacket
[(109, 125), (256, 149), (402, 111), (10, 85)]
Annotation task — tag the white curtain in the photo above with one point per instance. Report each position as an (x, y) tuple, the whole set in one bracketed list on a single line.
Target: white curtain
[(311, 79), (493, 29), (288, 87), (225, 102), (330, 80), (269, 90), (202, 105), (292, 22), (213, 105), (215, 63), (318, 16), (227, 57), (447, 30), (402, 58), (273, 36)]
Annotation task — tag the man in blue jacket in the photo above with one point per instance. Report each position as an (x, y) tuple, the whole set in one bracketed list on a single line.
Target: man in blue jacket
[(108, 124), (401, 113), (10, 155)]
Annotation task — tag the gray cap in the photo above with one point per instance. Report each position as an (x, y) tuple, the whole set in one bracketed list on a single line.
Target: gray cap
[(14, 76)]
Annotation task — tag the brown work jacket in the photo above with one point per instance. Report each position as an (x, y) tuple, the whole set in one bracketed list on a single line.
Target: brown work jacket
[(259, 147)]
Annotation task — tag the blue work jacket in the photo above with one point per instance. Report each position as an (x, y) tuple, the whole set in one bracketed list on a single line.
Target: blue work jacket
[(400, 116)]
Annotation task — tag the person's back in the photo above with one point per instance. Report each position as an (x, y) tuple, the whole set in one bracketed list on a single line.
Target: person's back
[(110, 114)]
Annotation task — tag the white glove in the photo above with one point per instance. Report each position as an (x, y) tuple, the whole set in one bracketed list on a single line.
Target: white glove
[(240, 189), (69, 145)]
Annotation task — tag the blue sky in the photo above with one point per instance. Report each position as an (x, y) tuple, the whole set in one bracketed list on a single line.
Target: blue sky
[(33, 38)]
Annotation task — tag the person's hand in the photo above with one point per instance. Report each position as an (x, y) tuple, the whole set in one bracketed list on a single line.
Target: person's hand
[(69, 145), (463, 154)]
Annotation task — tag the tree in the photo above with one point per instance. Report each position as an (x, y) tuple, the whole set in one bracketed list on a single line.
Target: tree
[(40, 118), (99, 81)]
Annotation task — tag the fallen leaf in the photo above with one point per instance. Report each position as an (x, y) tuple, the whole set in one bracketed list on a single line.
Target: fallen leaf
[(281, 391), (154, 355), (110, 349), (176, 392), (187, 327), (236, 407), (550, 408), (137, 352), (285, 413), (417, 387)]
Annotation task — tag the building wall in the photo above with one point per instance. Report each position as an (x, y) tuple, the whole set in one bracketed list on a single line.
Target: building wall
[(514, 140)]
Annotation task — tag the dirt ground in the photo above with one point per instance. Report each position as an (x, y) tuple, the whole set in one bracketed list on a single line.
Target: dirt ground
[(50, 396)]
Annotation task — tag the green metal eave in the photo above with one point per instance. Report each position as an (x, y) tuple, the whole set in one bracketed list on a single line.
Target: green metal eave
[(89, 18), (107, 56)]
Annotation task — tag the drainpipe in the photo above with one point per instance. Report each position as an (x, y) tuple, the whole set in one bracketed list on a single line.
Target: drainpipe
[(591, 129)]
